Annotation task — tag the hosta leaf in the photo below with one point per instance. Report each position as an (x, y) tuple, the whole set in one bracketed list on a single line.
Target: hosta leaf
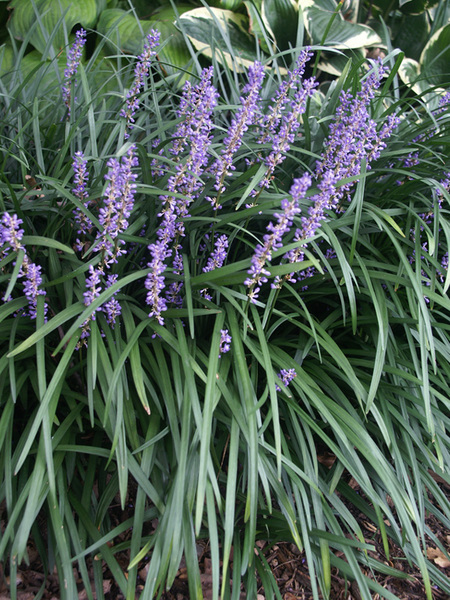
[(435, 58), (416, 7), (6, 59), (230, 4), (257, 23), (410, 74), (222, 30), (335, 63), (23, 18), (342, 34), (174, 52), (412, 35), (282, 17), (124, 29)]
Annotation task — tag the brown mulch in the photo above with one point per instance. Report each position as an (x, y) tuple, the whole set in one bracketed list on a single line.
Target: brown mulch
[(287, 564)]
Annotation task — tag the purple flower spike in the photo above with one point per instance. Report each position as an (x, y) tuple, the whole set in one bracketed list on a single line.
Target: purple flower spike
[(140, 75), (353, 138), (273, 240), (33, 279), (112, 308), (245, 116), (11, 237), (286, 376), (290, 123), (197, 104), (225, 342), (93, 287), (73, 62), (271, 121), (154, 282), (119, 203), (218, 256), (80, 179), (10, 233)]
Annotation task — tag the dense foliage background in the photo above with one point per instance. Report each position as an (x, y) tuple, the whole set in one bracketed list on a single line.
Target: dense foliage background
[(218, 268)]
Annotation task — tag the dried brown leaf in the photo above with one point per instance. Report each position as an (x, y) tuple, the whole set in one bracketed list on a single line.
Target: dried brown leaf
[(438, 557)]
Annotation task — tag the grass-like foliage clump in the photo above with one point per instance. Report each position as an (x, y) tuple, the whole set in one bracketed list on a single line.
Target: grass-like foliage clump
[(205, 291)]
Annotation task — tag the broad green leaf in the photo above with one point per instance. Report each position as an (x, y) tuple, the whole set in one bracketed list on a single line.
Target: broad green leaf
[(342, 34), (24, 17), (6, 59), (124, 30), (410, 74), (412, 35), (435, 58), (258, 26), (174, 52), (282, 17), (230, 4), (416, 7), (222, 32)]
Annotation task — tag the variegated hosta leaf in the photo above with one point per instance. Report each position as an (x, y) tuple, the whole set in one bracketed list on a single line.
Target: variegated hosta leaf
[(219, 31), (342, 35), (435, 58)]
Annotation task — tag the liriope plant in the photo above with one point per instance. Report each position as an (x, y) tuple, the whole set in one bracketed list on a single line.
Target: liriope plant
[(201, 297)]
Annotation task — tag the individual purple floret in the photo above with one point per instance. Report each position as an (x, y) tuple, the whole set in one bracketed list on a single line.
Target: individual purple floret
[(273, 240), (73, 62), (286, 376), (80, 179), (141, 72), (225, 342), (245, 116)]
